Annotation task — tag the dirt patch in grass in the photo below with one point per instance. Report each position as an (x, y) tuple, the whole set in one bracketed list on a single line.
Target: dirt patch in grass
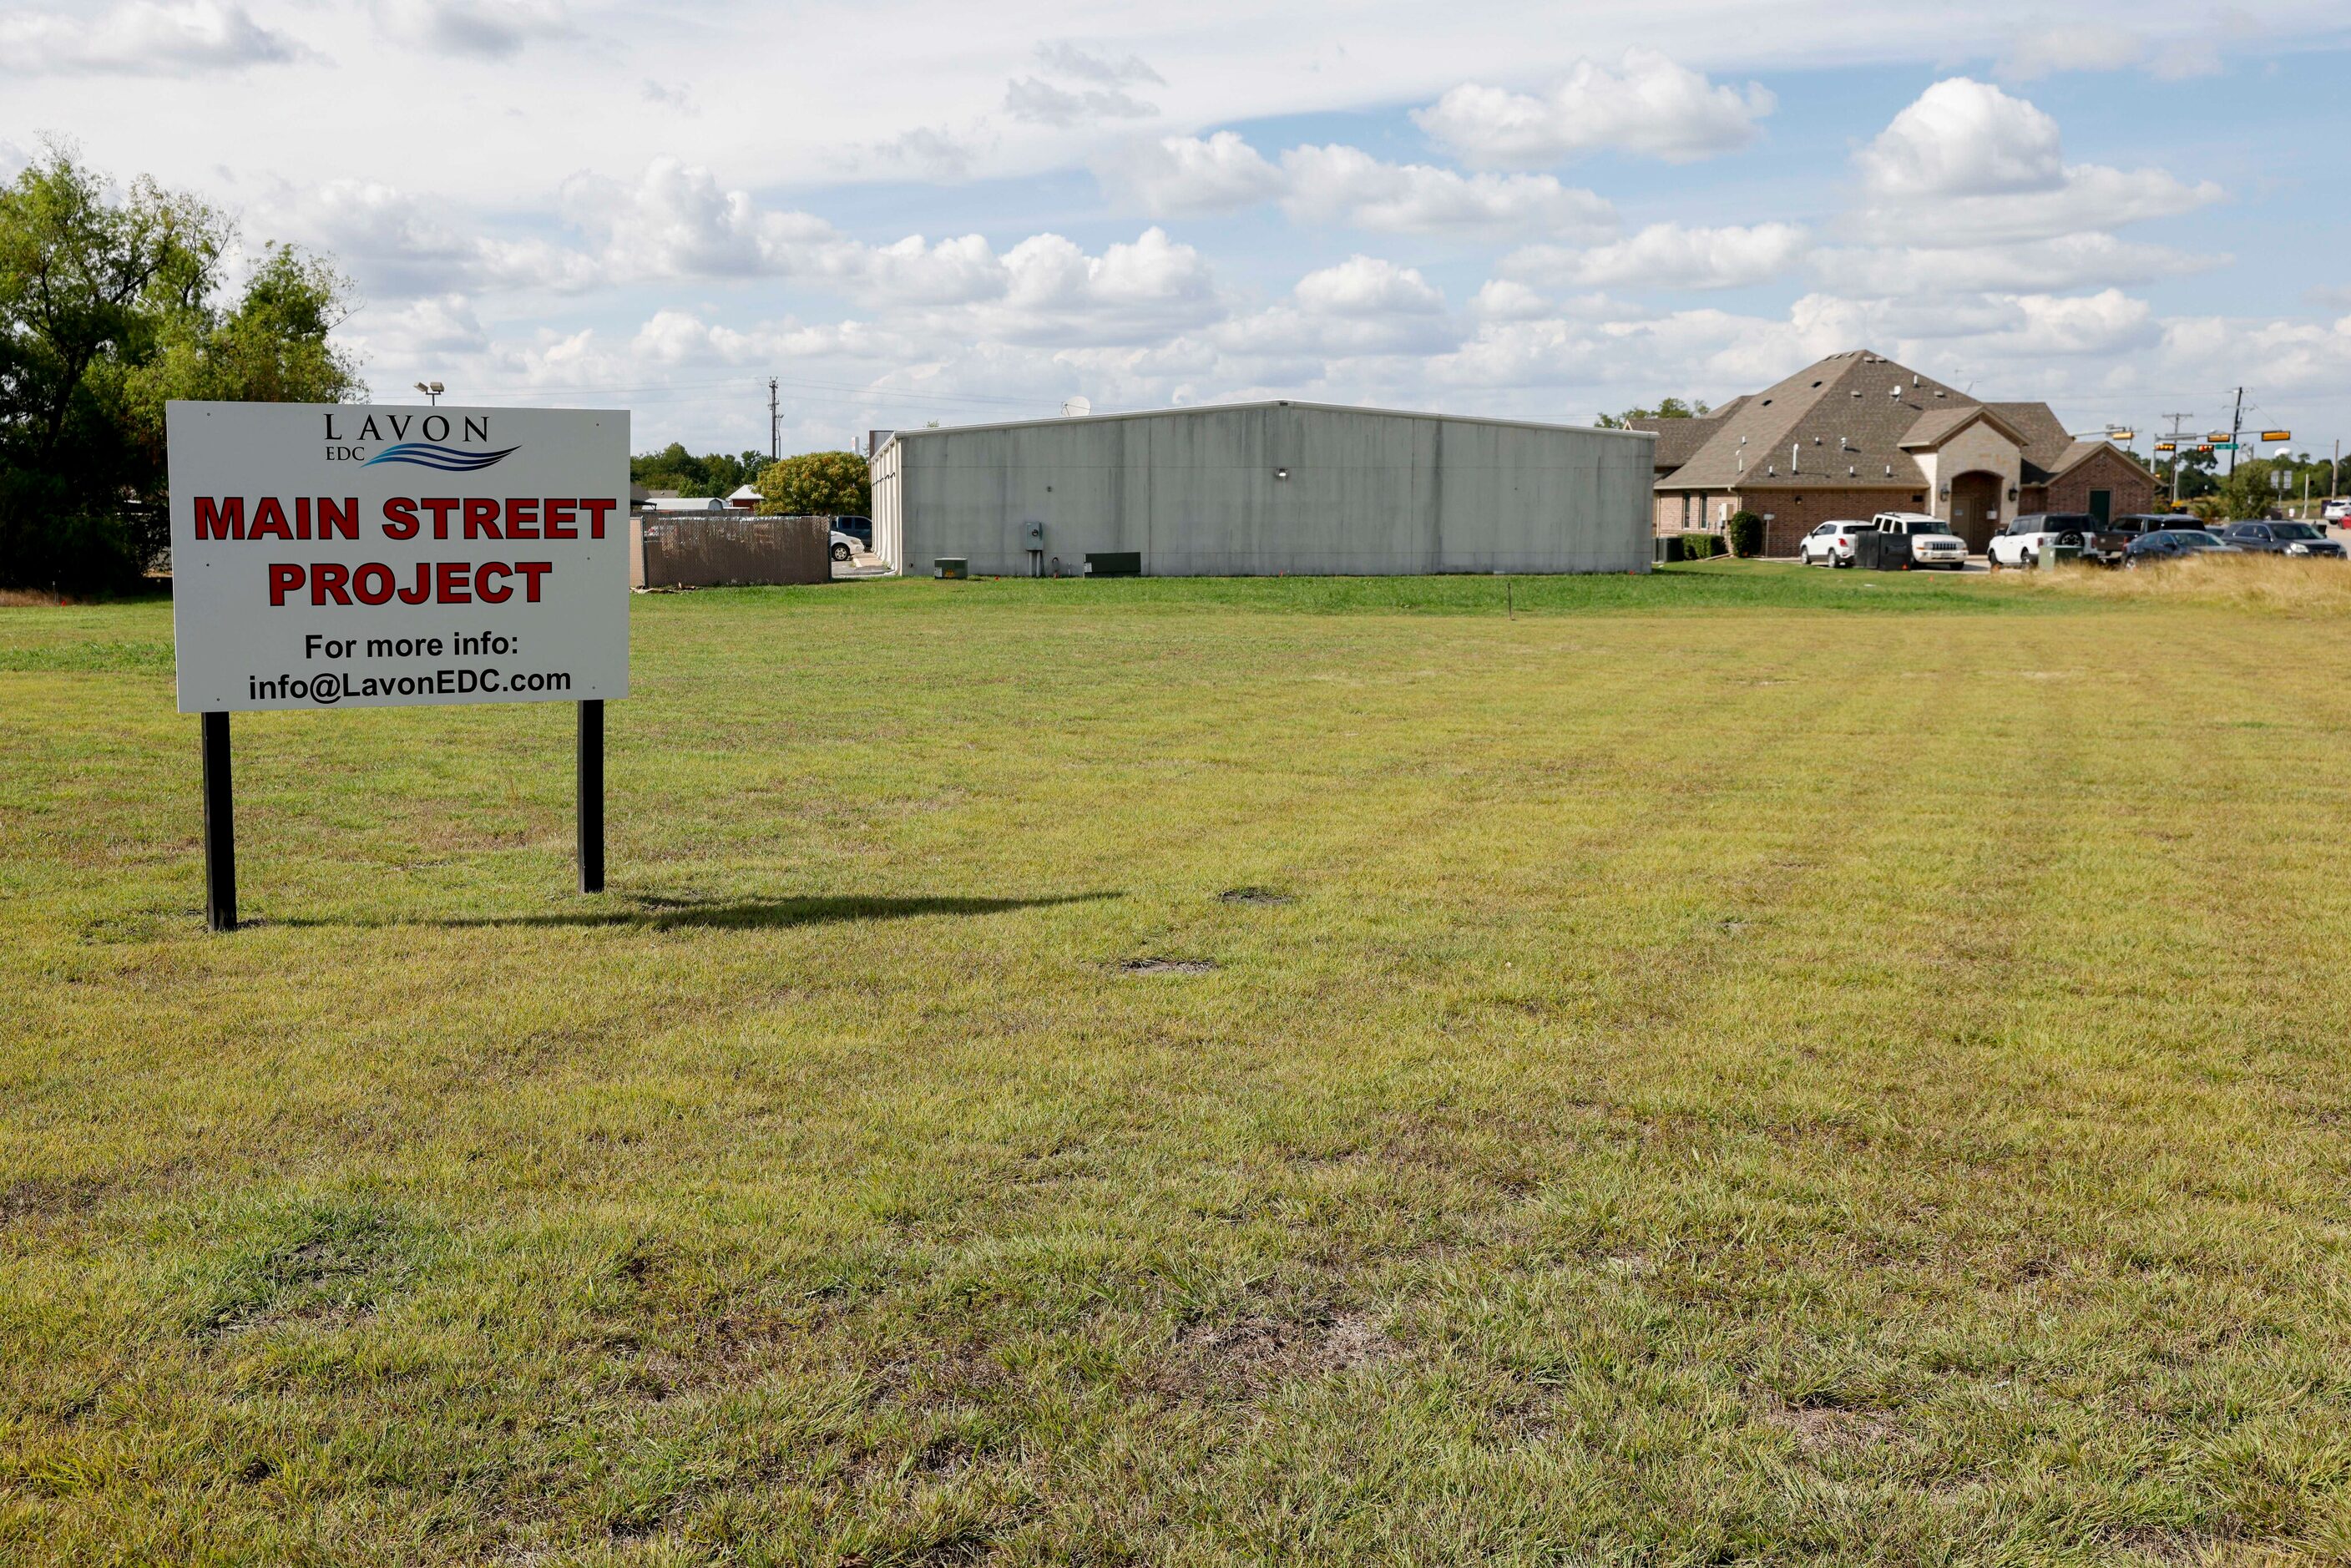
[(1255, 1351), (44, 1197), (1168, 967), (1261, 896), (1821, 1429)]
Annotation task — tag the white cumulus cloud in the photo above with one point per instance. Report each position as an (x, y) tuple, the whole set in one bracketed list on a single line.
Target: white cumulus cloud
[(1669, 255), (1347, 185), (141, 38), (2064, 262), (1175, 175), (1649, 104), (1967, 162), (488, 29)]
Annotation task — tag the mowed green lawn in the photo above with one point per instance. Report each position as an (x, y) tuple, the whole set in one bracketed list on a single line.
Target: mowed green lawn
[(1736, 1065)]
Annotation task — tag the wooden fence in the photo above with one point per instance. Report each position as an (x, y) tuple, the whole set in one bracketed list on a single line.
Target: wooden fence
[(699, 549)]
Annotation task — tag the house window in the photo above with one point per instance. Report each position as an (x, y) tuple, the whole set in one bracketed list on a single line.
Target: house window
[(1685, 511)]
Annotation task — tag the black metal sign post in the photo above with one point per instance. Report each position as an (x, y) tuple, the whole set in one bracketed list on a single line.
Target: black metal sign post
[(589, 769), (220, 828), (220, 813)]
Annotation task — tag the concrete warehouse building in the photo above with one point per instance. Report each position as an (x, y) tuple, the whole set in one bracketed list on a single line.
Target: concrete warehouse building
[(1258, 489)]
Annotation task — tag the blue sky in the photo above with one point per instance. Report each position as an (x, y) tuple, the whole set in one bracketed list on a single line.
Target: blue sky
[(911, 211)]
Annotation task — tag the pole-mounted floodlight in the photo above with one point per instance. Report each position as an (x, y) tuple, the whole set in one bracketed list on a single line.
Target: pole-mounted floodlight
[(432, 391)]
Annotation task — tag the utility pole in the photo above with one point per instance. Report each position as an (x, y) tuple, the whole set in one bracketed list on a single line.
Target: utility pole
[(2177, 420), (2236, 429), (775, 442)]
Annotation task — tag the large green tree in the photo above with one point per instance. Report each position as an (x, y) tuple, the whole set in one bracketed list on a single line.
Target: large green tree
[(816, 484), (109, 307)]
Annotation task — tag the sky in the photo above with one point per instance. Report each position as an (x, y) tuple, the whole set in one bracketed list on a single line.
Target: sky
[(907, 211)]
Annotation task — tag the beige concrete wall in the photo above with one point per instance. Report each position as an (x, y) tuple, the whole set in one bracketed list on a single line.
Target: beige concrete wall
[(1976, 449)]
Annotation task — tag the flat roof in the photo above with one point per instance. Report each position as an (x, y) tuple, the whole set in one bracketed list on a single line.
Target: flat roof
[(1649, 436)]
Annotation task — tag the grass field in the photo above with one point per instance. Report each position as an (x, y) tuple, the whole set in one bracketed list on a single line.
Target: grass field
[(1733, 1066)]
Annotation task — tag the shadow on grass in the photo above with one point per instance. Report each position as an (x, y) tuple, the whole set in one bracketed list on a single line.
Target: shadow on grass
[(741, 914)]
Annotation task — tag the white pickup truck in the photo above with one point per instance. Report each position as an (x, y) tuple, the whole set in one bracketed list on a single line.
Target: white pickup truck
[(1932, 542)]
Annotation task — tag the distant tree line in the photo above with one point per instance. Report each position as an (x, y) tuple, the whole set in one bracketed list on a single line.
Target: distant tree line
[(111, 306), (675, 468), (1671, 408), (2253, 489), (813, 483)]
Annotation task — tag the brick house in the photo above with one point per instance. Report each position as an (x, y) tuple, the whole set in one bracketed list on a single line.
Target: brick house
[(1857, 433)]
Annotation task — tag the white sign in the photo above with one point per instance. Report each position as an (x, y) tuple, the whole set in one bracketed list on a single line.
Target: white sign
[(345, 555)]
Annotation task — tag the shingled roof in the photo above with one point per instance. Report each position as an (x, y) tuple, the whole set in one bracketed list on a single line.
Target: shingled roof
[(1853, 419)]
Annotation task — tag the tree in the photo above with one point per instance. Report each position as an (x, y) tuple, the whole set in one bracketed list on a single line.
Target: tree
[(675, 468), (816, 484), (2252, 490), (1671, 408), (107, 310)]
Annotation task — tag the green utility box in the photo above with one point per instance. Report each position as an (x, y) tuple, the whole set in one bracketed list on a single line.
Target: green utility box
[(2060, 555), (954, 566)]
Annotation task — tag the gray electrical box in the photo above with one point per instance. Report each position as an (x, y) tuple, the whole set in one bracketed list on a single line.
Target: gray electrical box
[(1035, 536)]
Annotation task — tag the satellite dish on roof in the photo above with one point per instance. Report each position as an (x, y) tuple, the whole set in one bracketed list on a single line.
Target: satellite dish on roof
[(1076, 408)]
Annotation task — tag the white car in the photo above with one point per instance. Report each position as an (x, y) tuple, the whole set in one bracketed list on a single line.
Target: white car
[(1830, 544), (845, 544), (1932, 542), (2024, 541)]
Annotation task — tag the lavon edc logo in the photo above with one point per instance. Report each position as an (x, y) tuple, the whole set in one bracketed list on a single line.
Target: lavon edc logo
[(366, 442)]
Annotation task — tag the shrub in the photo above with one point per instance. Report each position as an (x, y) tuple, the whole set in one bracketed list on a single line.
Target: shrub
[(1697, 547), (1746, 531)]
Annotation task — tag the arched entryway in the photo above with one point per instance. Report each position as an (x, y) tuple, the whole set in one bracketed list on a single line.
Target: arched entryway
[(1975, 507)]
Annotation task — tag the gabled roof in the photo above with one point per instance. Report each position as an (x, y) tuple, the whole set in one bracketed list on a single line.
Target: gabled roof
[(1677, 439), (1853, 419), (1841, 419), (2081, 452), (1934, 429), (2046, 440)]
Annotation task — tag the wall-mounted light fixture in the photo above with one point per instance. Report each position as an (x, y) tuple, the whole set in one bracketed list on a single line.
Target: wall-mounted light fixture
[(1281, 473), (1943, 490), (2011, 492)]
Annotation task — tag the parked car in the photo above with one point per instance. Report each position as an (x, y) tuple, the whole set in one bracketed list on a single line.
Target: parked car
[(858, 528), (1830, 544), (2025, 539), (1932, 542), (2283, 538), (2138, 523), (2175, 544), (843, 544), (2335, 512)]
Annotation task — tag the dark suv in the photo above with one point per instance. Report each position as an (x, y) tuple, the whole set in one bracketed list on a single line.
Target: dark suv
[(2283, 538)]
